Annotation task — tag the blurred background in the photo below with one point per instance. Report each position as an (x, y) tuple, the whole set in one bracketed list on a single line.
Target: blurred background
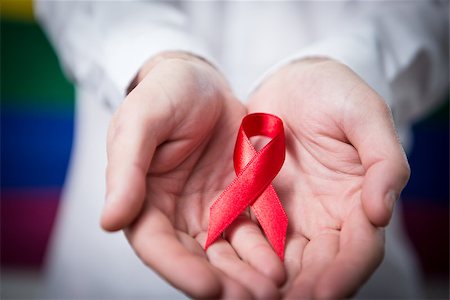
[(37, 115)]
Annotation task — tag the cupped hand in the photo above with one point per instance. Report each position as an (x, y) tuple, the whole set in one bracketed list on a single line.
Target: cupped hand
[(344, 169), (170, 147)]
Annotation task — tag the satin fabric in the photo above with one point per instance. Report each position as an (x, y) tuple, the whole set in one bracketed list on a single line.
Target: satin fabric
[(255, 171)]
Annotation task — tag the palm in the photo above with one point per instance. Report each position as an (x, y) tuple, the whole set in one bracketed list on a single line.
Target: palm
[(320, 184), (183, 195)]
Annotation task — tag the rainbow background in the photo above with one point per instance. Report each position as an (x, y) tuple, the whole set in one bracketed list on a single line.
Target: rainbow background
[(37, 115), (37, 109)]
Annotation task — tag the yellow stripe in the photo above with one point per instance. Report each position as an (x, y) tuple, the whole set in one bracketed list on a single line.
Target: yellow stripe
[(17, 10)]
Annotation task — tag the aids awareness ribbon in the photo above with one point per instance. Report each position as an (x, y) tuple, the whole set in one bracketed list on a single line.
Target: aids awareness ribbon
[(252, 187)]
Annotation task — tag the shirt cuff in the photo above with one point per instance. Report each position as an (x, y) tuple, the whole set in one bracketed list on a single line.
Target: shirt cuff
[(358, 50), (126, 52)]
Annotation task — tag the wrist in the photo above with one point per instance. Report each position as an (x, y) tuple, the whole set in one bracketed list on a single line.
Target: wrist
[(308, 64), (301, 71), (171, 55)]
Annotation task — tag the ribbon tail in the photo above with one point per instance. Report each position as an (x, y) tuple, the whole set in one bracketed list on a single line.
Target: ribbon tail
[(230, 204), (272, 218)]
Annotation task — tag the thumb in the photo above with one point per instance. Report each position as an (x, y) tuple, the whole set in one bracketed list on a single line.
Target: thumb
[(135, 131), (371, 131)]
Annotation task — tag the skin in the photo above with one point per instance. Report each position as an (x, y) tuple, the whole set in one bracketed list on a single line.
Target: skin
[(170, 148), (343, 171)]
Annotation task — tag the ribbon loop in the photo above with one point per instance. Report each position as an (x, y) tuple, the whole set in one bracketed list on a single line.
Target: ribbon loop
[(255, 171)]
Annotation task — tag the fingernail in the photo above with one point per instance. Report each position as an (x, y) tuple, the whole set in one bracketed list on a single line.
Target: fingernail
[(390, 199)]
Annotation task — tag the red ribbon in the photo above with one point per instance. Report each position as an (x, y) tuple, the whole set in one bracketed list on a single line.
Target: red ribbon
[(255, 171)]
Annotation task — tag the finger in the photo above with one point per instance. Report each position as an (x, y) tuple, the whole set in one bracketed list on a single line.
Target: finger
[(156, 243), (222, 256), (133, 136), (360, 252), (295, 245), (250, 244), (318, 254), (232, 289), (370, 129)]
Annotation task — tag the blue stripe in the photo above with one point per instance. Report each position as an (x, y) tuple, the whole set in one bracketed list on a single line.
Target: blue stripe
[(429, 162), (35, 146)]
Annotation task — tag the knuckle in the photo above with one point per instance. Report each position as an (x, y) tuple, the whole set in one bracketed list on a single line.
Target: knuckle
[(405, 171)]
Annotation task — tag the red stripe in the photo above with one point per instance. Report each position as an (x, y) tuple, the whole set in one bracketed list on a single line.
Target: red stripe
[(27, 217), (427, 224)]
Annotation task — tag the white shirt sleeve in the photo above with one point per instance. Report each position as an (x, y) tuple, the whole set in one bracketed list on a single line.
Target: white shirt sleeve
[(400, 48), (102, 45)]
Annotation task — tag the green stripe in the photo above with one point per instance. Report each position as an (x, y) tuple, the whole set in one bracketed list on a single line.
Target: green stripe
[(30, 72)]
